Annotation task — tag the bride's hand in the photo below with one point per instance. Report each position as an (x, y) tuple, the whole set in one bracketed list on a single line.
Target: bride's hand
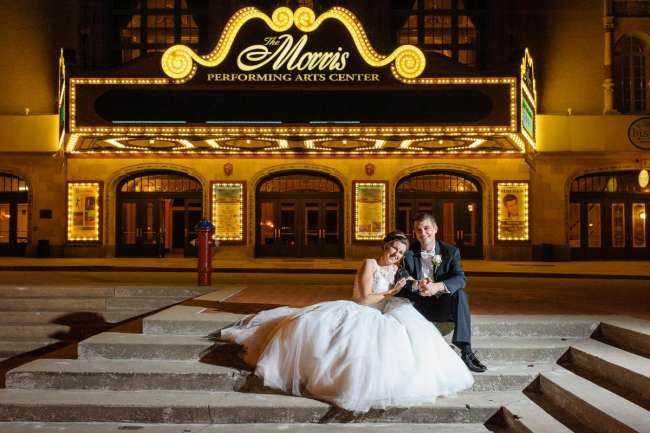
[(397, 287)]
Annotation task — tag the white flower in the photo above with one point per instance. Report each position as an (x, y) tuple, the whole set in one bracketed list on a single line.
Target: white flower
[(436, 260)]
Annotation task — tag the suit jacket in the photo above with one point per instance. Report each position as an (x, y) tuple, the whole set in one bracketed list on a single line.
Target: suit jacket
[(450, 270)]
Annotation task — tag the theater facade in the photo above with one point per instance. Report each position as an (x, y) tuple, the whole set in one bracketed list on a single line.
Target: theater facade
[(298, 138)]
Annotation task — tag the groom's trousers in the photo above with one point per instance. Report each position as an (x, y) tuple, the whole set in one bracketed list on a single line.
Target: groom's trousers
[(448, 308)]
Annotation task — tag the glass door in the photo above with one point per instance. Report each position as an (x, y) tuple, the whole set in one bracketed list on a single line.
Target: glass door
[(299, 228), (322, 229), (459, 225), (332, 240), (313, 231), (639, 232), (13, 227), (184, 214), (609, 229), (278, 231), (140, 230)]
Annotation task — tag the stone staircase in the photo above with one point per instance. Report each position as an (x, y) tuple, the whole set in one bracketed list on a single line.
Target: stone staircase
[(33, 317), (169, 377), (601, 384)]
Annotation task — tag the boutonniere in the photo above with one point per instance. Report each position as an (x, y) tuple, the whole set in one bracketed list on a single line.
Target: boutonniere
[(436, 260)]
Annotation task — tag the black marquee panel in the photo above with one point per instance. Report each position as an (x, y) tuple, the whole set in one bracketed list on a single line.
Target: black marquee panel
[(101, 105)]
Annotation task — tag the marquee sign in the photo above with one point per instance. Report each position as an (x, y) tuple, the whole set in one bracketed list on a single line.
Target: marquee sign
[(528, 99), (291, 58), (295, 74)]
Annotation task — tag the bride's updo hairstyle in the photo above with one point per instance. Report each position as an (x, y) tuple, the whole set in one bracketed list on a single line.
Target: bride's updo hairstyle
[(396, 236)]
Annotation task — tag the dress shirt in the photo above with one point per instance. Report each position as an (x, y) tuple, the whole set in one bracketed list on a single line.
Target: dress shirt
[(427, 268)]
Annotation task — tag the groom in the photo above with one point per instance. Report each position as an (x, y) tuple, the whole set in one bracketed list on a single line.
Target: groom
[(438, 292)]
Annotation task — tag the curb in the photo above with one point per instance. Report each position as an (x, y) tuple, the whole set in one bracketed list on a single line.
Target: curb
[(230, 270)]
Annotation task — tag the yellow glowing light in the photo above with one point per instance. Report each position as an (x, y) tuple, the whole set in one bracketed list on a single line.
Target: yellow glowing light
[(476, 143), (527, 62), (366, 230), (228, 211), (178, 61), (83, 217), (72, 143), (501, 235), (115, 142)]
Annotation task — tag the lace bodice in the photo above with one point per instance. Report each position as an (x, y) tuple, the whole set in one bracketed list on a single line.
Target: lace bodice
[(383, 277)]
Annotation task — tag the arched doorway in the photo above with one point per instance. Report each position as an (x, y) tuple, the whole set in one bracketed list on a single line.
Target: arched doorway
[(454, 199), (607, 216), (14, 215), (156, 214), (299, 214)]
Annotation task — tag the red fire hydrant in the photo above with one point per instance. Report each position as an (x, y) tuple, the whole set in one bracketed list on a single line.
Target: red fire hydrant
[(204, 244)]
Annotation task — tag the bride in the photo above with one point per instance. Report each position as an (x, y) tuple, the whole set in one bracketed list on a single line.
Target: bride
[(375, 351)]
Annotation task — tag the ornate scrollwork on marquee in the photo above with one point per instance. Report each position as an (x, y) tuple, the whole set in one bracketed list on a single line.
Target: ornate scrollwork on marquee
[(180, 62)]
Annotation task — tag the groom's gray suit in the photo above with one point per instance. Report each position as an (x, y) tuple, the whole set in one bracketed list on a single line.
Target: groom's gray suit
[(447, 307)]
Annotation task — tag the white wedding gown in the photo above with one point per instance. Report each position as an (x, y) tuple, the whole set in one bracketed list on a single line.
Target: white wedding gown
[(355, 356)]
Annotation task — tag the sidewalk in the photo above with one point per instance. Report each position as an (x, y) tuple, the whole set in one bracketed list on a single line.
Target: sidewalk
[(574, 269)]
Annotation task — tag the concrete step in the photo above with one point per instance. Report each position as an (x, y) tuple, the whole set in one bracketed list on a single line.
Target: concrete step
[(127, 375), (115, 345), (520, 349), (161, 292), (509, 376), (228, 407), (61, 332), (525, 416), (52, 304), (12, 348), (533, 325), (592, 406), (133, 303), (110, 345), (66, 317), (626, 333), (188, 320), (37, 427), (619, 371), (49, 292), (105, 291)]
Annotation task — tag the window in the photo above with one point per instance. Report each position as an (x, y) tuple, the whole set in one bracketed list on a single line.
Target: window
[(9, 183), (160, 182), (148, 26), (440, 26), (614, 182), (299, 183), (630, 75), (437, 182)]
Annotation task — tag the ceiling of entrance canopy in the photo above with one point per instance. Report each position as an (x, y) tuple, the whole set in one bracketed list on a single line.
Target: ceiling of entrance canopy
[(267, 145)]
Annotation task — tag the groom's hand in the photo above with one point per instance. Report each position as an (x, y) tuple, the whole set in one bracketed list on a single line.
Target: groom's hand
[(429, 288)]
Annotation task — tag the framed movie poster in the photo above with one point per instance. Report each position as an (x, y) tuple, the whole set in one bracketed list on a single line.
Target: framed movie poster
[(228, 210), (83, 223), (369, 210), (512, 211)]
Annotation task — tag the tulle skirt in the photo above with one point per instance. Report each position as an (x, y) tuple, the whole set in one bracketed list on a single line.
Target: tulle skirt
[(355, 356)]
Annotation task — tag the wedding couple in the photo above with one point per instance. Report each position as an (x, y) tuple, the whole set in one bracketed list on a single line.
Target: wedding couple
[(380, 349)]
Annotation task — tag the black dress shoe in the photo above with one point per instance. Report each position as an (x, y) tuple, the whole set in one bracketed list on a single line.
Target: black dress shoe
[(472, 362)]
